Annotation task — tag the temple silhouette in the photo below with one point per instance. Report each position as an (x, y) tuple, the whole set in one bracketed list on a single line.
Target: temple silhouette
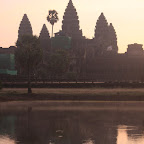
[(93, 59)]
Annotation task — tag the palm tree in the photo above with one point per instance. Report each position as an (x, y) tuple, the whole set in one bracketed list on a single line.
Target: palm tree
[(52, 18), (28, 55)]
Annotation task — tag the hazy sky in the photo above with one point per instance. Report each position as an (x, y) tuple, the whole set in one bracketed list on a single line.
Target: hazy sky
[(127, 17)]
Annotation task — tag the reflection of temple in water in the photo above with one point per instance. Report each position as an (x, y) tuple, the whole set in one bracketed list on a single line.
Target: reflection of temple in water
[(72, 127), (41, 127)]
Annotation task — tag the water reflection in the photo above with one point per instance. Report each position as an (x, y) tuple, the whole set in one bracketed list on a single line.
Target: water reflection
[(88, 141), (125, 136), (6, 140), (71, 127)]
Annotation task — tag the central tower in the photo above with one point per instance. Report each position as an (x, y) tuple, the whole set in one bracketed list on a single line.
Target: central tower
[(70, 23)]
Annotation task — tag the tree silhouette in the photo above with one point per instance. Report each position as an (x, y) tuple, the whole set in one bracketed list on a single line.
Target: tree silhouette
[(28, 55), (58, 63), (52, 18)]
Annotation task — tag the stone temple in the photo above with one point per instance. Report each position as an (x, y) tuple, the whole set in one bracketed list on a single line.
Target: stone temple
[(93, 59), (25, 27)]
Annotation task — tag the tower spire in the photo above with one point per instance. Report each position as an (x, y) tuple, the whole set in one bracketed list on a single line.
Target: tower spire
[(25, 27), (70, 23), (44, 38), (113, 38), (70, 1), (44, 34), (101, 34)]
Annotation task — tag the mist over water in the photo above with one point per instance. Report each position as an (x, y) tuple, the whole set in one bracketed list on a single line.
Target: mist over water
[(30, 125)]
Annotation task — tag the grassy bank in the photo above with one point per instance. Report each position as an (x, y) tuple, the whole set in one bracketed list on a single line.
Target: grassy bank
[(77, 94)]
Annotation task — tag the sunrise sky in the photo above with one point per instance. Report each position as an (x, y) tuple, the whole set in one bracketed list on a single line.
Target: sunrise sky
[(127, 17)]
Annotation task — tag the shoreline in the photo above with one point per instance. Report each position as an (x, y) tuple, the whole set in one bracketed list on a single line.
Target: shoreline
[(71, 106), (72, 94)]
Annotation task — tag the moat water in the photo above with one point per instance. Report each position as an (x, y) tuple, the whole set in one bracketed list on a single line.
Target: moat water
[(70, 123)]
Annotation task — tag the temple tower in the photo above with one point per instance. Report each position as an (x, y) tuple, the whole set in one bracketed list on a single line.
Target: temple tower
[(45, 40), (25, 27), (113, 38), (101, 35), (71, 28), (70, 23), (44, 34)]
